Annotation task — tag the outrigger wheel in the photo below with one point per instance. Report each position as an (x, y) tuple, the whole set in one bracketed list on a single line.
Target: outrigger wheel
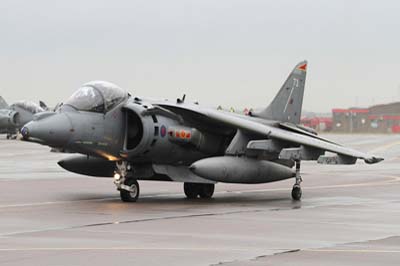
[(132, 194), (194, 190), (296, 191)]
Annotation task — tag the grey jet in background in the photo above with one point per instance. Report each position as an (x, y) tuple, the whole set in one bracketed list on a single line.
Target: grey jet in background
[(13, 117), (132, 138)]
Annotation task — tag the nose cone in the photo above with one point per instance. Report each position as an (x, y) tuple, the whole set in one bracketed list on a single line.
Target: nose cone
[(54, 130)]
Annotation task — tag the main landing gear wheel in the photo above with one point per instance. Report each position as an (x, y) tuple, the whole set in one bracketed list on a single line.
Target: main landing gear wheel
[(296, 191), (206, 191), (194, 190), (190, 190), (132, 194)]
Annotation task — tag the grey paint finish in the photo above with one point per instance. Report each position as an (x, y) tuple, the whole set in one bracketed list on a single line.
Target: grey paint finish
[(287, 104), (13, 117), (180, 174), (162, 140), (3, 103), (243, 170), (249, 125)]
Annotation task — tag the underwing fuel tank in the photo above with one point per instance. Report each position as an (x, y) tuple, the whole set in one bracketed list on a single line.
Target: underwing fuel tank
[(91, 166), (231, 169)]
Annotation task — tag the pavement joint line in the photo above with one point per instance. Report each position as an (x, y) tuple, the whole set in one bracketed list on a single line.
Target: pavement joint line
[(131, 221), (145, 220)]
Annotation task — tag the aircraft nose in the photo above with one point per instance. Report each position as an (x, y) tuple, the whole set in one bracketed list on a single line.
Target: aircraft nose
[(54, 130)]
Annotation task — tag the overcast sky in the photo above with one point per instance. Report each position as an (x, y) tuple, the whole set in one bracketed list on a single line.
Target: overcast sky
[(216, 51)]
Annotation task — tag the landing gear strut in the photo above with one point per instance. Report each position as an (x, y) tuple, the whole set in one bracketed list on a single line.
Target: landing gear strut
[(194, 190), (296, 191), (128, 186)]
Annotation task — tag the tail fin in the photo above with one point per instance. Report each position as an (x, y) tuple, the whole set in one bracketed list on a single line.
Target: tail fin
[(3, 103), (287, 104), (43, 106)]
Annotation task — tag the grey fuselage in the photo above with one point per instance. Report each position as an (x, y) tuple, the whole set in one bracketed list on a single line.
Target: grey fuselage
[(182, 141), (13, 118), (135, 130), (129, 131)]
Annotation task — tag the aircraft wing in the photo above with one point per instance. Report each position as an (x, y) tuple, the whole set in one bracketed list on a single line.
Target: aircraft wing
[(305, 143)]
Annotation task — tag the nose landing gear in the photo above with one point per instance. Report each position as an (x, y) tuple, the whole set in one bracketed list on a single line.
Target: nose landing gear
[(128, 186)]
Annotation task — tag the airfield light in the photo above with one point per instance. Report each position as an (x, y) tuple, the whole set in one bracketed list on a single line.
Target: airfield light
[(117, 176)]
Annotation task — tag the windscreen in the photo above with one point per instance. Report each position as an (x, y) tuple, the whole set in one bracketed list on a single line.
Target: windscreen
[(29, 106), (97, 96)]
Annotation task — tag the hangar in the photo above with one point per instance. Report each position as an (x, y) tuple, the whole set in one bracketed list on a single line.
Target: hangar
[(383, 118)]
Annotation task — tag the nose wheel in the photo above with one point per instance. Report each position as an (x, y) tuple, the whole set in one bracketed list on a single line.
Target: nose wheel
[(130, 192), (296, 191), (128, 186)]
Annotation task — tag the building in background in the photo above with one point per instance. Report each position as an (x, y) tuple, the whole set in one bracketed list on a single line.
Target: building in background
[(384, 118), (321, 122)]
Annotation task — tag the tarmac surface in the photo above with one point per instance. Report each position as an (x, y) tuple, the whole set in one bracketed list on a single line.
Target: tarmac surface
[(349, 215)]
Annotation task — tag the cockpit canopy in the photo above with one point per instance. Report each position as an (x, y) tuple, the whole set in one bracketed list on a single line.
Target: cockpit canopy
[(28, 106), (97, 96)]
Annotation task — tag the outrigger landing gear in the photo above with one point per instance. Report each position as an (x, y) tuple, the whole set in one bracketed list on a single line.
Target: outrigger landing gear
[(128, 186), (296, 191), (194, 190)]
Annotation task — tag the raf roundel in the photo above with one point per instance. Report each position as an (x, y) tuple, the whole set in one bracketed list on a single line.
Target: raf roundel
[(163, 131)]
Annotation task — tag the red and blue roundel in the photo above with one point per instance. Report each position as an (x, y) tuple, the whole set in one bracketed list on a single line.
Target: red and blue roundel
[(163, 131)]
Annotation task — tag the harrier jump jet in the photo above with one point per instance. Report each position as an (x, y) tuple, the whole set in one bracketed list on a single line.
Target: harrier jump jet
[(13, 117), (132, 138)]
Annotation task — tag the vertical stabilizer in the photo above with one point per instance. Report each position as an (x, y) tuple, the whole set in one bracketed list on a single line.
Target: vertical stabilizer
[(43, 105), (287, 104), (3, 103)]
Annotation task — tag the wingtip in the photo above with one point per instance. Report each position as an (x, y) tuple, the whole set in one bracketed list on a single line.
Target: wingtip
[(374, 160)]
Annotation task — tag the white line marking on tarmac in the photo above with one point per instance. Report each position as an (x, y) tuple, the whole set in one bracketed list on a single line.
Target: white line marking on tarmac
[(353, 250), (74, 201), (394, 180), (129, 248), (384, 147), (191, 249)]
